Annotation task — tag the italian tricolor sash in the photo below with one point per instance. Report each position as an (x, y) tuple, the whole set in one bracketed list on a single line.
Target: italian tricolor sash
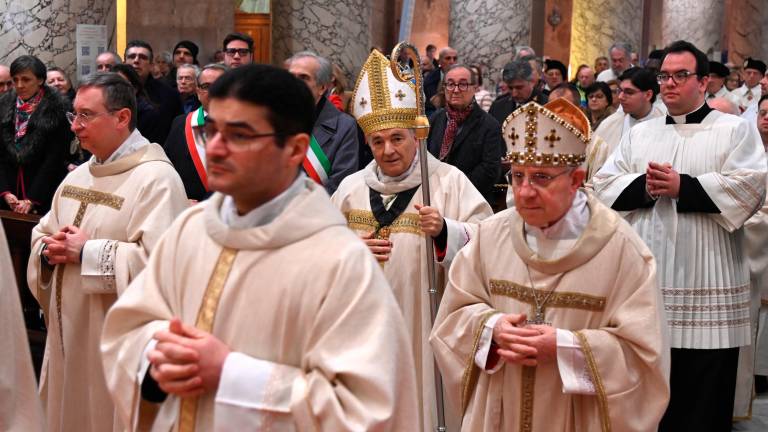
[(192, 125), (316, 163)]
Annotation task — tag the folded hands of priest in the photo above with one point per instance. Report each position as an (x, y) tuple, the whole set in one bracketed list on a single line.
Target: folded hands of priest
[(662, 180), (65, 246), (524, 344)]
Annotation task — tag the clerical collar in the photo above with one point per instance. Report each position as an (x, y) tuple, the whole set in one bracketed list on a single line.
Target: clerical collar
[(693, 117), (263, 214), (569, 227), (134, 142)]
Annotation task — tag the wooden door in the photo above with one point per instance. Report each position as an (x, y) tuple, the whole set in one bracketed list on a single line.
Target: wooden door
[(259, 27)]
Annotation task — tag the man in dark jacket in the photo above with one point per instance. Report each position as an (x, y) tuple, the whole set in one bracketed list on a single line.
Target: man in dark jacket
[(447, 58), (465, 136), (519, 77)]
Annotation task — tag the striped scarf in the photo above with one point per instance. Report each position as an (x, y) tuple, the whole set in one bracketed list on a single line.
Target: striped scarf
[(24, 111), (455, 119)]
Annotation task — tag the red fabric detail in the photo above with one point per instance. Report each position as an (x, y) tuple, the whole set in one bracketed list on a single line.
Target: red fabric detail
[(440, 253), (193, 150), (310, 170), (337, 102), (455, 120)]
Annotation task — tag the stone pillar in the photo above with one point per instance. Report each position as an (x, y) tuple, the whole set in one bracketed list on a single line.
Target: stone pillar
[(486, 31), (337, 30), (746, 36), (46, 29), (597, 24), (697, 21)]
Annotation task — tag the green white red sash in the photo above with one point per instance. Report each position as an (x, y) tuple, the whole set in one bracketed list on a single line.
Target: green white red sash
[(192, 130), (316, 163)]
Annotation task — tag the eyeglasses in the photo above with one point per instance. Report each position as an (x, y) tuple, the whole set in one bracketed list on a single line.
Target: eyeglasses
[(83, 119), (232, 51), (204, 86), (536, 180), (235, 141), (462, 86), (762, 113), (596, 95), (679, 77), (140, 56)]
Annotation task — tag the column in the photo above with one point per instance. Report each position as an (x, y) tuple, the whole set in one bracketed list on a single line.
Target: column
[(337, 30), (598, 24), (486, 31), (697, 21), (46, 28)]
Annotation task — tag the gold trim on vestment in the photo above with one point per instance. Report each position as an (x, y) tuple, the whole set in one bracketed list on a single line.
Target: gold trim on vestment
[(364, 220), (469, 377), (527, 391), (204, 322), (597, 380), (559, 299)]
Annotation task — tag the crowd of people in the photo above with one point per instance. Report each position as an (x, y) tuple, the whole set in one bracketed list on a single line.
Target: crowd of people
[(234, 245)]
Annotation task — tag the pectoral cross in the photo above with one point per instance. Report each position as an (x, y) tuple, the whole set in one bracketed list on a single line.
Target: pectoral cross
[(552, 138), (538, 319), (86, 197)]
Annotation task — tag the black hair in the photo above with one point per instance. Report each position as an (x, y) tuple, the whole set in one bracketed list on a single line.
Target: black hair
[(238, 36), (118, 93), (642, 78), (29, 63), (762, 98), (702, 62), (599, 86), (140, 44), (289, 103), (472, 74), (569, 87)]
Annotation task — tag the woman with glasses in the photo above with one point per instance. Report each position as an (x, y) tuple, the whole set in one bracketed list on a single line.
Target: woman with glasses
[(34, 139), (599, 103)]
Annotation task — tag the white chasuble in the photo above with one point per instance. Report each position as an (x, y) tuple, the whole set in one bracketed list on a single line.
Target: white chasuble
[(124, 206), (702, 270), (462, 207), (604, 292), (317, 340), (20, 409)]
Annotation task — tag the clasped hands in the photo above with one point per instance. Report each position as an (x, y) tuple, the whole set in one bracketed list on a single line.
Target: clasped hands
[(524, 344), (662, 180), (186, 361), (430, 222), (64, 246), (17, 205)]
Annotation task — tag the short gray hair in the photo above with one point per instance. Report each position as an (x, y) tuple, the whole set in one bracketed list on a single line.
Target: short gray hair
[(212, 66), (194, 67), (166, 57), (115, 57), (118, 92), (623, 46), (518, 69), (520, 48), (324, 74)]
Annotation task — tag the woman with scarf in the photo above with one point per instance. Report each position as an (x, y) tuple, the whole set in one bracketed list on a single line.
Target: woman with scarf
[(34, 139)]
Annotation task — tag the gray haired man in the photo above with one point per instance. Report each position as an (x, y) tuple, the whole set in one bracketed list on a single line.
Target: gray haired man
[(621, 59), (335, 146), (522, 82)]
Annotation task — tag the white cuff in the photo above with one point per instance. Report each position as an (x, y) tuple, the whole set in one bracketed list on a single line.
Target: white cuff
[(484, 346), (98, 265), (572, 365), (457, 237)]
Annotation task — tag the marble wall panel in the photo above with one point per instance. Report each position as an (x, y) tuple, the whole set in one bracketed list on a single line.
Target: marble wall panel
[(486, 31), (746, 36), (697, 21), (338, 30), (46, 28), (597, 24)]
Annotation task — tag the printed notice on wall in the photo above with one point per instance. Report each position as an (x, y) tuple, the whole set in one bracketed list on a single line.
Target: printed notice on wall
[(91, 41)]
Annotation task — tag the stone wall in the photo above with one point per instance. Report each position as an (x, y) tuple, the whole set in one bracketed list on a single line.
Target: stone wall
[(697, 21)]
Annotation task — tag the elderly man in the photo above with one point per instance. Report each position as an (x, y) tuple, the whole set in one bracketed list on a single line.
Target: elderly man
[(465, 136), (333, 152), (523, 343), (289, 337), (185, 145), (106, 61), (688, 182), (521, 81), (186, 83), (585, 77), (555, 73), (637, 95), (750, 92), (718, 72), (383, 203), (750, 114), (620, 54), (238, 50), (106, 218), (6, 83), (446, 58)]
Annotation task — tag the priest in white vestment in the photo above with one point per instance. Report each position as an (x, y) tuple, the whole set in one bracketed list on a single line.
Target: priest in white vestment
[(687, 183), (260, 310), (383, 204), (637, 95), (106, 217), (20, 409), (552, 318)]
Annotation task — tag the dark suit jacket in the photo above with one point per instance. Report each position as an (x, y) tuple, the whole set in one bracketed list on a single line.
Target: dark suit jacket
[(337, 134), (477, 148), (504, 105), (178, 152), (431, 83), (154, 121)]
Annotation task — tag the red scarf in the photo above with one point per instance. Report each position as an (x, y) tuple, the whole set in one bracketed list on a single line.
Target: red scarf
[(24, 111), (455, 119)]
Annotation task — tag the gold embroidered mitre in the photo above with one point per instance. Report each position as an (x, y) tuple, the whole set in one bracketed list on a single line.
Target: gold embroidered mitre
[(381, 101), (555, 134)]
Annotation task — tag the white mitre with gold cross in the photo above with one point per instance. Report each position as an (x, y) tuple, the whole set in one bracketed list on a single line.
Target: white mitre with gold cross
[(555, 134), (380, 100)]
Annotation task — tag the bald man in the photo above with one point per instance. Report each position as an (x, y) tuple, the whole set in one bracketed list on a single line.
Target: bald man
[(5, 79), (446, 58)]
